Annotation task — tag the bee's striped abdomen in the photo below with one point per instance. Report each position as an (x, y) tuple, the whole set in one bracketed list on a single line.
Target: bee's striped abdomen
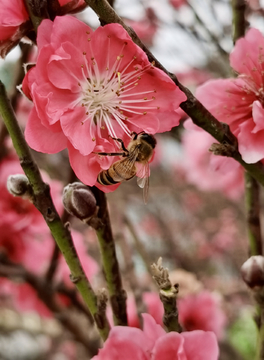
[(104, 178)]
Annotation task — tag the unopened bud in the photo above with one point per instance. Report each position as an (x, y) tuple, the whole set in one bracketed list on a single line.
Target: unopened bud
[(253, 271), (18, 185), (79, 201)]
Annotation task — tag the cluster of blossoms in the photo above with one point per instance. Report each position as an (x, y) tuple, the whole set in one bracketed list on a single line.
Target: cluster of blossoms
[(84, 97)]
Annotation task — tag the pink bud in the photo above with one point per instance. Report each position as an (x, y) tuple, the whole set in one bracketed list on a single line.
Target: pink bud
[(253, 271)]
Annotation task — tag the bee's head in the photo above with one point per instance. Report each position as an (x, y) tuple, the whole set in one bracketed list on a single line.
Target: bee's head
[(148, 138)]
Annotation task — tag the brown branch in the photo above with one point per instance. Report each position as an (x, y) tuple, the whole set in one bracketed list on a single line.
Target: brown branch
[(109, 259)]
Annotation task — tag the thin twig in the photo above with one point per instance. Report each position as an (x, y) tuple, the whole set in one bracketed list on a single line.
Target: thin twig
[(168, 295)]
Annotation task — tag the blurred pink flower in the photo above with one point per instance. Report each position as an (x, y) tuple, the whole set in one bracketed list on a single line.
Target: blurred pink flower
[(83, 94), (25, 237), (153, 306), (239, 102), (21, 297), (178, 3), (201, 311), (207, 171), (19, 219), (153, 343), (13, 13), (145, 28)]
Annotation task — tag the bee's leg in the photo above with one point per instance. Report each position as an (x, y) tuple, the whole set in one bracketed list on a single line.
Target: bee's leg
[(111, 154), (122, 144)]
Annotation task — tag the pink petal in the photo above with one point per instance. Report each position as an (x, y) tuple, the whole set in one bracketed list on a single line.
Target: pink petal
[(112, 38), (42, 138), (170, 347), (148, 123), (124, 343), (80, 135), (64, 68), (68, 27), (258, 116), (44, 33), (151, 329), (86, 168), (250, 144), (245, 58), (200, 345), (226, 100)]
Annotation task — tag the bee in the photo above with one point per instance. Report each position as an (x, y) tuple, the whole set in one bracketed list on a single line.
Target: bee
[(140, 150)]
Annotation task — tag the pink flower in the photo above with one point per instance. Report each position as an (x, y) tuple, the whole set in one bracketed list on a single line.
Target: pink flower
[(201, 311), (153, 343), (22, 297), (239, 102), (88, 85), (207, 171), (13, 13), (178, 3)]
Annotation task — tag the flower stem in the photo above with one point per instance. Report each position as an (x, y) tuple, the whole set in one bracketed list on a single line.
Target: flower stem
[(109, 260), (43, 202), (199, 114), (253, 215)]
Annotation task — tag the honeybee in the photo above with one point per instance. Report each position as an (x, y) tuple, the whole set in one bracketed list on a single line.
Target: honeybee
[(140, 150)]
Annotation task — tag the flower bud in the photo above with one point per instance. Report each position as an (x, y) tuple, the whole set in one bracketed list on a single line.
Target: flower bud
[(79, 201), (18, 185), (253, 271)]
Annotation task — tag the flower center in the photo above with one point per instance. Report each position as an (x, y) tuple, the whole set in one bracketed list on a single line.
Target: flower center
[(112, 94)]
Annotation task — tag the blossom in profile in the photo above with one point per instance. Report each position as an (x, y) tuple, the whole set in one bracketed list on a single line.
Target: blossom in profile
[(239, 101), (153, 343), (206, 170), (83, 96), (201, 311)]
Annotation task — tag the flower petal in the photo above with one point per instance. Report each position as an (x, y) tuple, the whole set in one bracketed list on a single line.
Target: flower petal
[(247, 56), (42, 138), (258, 116), (250, 144), (200, 345)]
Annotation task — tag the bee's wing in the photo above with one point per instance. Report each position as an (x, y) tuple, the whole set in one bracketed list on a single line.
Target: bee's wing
[(129, 162), (143, 180)]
